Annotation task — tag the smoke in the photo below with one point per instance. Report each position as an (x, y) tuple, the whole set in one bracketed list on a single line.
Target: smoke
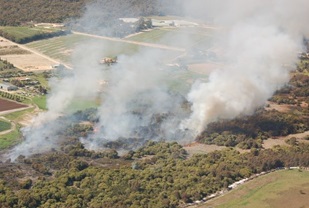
[(138, 93), (43, 134), (256, 41)]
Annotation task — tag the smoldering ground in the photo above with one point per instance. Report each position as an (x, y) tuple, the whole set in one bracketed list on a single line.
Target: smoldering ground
[(256, 39)]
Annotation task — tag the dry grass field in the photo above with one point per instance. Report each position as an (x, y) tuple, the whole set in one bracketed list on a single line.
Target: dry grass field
[(22, 57), (280, 189)]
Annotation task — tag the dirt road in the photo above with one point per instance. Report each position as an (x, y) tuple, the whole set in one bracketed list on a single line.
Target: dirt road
[(36, 53), (132, 42), (13, 126)]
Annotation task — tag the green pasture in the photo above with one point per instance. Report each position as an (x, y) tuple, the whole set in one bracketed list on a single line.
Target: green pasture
[(10, 139), (25, 31), (40, 101), (82, 104), (15, 116), (4, 125), (284, 189)]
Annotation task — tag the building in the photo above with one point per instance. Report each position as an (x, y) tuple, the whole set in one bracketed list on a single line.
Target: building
[(7, 87)]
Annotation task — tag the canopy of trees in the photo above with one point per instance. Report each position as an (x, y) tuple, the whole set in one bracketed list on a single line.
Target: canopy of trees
[(16, 12), (156, 175)]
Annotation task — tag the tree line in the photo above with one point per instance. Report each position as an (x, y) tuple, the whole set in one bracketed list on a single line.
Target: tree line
[(17, 12), (157, 175), (22, 40)]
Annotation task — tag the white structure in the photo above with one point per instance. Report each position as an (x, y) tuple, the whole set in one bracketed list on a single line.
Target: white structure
[(7, 87)]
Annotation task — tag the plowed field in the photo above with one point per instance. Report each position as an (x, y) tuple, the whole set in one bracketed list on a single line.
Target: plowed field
[(9, 105)]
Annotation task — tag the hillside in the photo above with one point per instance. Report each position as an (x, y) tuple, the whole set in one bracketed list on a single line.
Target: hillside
[(16, 12)]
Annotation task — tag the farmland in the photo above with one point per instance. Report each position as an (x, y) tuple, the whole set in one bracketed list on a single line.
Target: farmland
[(176, 37), (9, 105), (22, 58), (4, 125), (26, 33), (284, 189), (61, 48)]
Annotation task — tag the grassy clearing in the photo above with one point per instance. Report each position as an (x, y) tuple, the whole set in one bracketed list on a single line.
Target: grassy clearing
[(284, 189), (10, 139), (15, 116), (40, 101), (4, 125), (23, 32), (82, 104)]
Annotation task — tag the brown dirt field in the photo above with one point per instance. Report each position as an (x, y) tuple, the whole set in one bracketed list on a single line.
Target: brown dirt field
[(204, 68), (271, 142), (12, 49), (281, 108), (9, 105), (29, 62), (198, 148), (24, 58)]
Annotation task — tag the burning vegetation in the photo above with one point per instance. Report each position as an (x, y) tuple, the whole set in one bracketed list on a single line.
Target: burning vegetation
[(126, 152)]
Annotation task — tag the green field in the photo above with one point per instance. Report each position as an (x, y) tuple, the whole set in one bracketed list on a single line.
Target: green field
[(58, 47), (12, 138), (61, 48), (176, 37), (4, 125), (8, 140), (282, 189), (22, 32), (15, 116), (82, 104), (40, 101)]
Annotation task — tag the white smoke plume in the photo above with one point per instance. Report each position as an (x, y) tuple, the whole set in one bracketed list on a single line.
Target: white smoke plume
[(136, 93), (41, 135), (257, 39)]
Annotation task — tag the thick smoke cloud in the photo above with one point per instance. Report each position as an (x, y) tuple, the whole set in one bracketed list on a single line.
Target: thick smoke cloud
[(256, 41), (136, 95), (42, 134)]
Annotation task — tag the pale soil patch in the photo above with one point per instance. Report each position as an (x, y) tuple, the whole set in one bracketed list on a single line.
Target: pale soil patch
[(67, 52), (25, 58), (29, 62), (27, 119), (5, 43), (198, 148), (204, 68), (271, 142), (281, 108)]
